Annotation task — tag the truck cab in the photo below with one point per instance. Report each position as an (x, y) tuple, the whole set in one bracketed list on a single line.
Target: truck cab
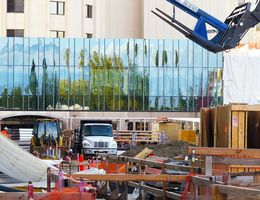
[(46, 133), (95, 137)]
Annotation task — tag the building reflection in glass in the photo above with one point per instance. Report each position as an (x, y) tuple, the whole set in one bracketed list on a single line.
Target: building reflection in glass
[(108, 75)]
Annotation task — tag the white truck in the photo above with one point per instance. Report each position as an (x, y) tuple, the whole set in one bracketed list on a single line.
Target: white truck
[(95, 137)]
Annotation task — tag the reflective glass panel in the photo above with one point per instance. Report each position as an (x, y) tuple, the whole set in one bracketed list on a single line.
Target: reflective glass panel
[(108, 75), (3, 51)]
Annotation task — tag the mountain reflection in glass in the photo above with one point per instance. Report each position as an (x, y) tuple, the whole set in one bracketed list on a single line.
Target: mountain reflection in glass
[(108, 75)]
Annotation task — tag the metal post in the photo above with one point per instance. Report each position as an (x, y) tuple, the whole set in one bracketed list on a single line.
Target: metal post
[(107, 183), (164, 190), (117, 183), (126, 183), (48, 179), (70, 167), (208, 165), (140, 183)]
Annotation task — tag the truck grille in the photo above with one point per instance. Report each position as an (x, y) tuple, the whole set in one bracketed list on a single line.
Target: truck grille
[(101, 144)]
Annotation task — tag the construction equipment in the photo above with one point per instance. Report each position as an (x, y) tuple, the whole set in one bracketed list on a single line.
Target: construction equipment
[(228, 33), (95, 137), (46, 135)]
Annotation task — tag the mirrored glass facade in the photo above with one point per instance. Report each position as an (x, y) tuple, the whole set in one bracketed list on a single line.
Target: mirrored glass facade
[(108, 75)]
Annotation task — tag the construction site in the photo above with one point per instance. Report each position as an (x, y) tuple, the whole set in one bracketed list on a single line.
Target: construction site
[(137, 119)]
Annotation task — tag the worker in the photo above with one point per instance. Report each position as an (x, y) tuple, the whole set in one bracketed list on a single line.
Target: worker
[(5, 132)]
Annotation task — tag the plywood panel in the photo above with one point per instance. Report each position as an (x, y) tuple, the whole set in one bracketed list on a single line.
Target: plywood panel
[(241, 130), (172, 130), (188, 136), (205, 127), (223, 126), (234, 125)]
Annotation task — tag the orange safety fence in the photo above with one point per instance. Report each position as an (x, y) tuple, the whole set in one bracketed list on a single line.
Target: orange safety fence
[(110, 168), (70, 193), (186, 188), (67, 194)]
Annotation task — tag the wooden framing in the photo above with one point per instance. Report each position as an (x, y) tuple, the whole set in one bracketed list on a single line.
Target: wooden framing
[(141, 136), (156, 191), (199, 185), (131, 177), (222, 192), (228, 160), (191, 169), (225, 152)]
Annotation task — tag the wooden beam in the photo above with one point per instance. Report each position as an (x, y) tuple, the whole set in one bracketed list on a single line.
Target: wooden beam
[(193, 169), (156, 192), (131, 177), (201, 181), (245, 107), (144, 162), (229, 131), (205, 181), (225, 152), (246, 128), (157, 164), (237, 161), (253, 173), (217, 195), (234, 130), (240, 192), (241, 130), (14, 195)]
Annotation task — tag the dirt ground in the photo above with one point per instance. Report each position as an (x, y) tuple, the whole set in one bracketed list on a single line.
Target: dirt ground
[(162, 150)]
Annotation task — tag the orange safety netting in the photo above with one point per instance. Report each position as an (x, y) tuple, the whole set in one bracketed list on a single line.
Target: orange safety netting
[(110, 168), (67, 194)]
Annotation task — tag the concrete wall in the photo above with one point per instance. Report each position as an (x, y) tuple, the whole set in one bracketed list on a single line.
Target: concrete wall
[(74, 18), (111, 18), (37, 18), (72, 119), (118, 18)]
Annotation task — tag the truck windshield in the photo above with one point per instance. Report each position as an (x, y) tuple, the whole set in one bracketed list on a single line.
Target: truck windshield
[(97, 130)]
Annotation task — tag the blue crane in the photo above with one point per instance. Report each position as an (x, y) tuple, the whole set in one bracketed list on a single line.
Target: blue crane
[(228, 33)]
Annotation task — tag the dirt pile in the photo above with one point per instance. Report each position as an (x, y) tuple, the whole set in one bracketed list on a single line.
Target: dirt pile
[(162, 150)]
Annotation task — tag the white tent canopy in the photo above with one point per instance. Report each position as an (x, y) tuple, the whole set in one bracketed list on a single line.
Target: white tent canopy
[(241, 76), (20, 164)]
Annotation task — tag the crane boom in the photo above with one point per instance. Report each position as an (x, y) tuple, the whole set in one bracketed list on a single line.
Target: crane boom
[(229, 33)]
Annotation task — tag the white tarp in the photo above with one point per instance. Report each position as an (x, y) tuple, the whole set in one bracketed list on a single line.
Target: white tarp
[(20, 164), (241, 76)]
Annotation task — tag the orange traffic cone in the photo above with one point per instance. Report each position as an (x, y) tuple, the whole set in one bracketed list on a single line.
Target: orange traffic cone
[(81, 159)]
